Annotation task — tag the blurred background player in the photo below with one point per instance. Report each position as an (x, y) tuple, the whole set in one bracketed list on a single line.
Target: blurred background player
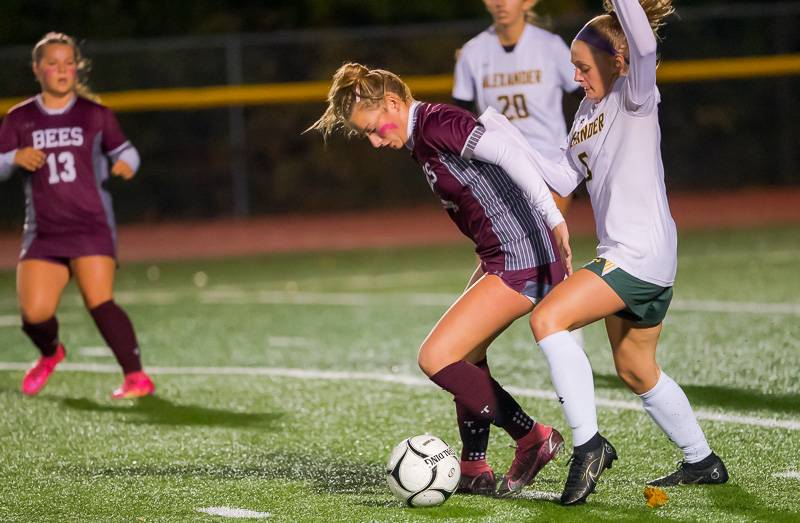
[(615, 147), (522, 71), (520, 239), (64, 141)]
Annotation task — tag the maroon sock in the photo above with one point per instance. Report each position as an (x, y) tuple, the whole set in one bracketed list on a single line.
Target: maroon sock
[(471, 387), (117, 330), (474, 431), (44, 335)]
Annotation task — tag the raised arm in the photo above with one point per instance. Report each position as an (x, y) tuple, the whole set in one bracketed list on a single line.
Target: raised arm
[(642, 46)]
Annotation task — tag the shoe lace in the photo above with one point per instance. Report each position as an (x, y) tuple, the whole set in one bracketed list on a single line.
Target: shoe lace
[(577, 463)]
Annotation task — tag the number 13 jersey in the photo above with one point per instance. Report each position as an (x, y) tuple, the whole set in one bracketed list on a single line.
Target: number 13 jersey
[(525, 84), (66, 196)]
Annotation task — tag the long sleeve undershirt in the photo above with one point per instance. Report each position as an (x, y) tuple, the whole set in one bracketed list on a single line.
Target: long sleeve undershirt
[(493, 147), (7, 164), (129, 155), (642, 46)]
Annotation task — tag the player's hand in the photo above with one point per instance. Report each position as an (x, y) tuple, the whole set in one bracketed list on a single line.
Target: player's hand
[(122, 169), (561, 235), (29, 158)]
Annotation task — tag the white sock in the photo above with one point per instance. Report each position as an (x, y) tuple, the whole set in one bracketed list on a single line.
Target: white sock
[(571, 374), (577, 335), (669, 407)]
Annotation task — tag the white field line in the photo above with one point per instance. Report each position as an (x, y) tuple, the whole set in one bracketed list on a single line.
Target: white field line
[(96, 352), (399, 379), (789, 474), (359, 299), (15, 320), (231, 512)]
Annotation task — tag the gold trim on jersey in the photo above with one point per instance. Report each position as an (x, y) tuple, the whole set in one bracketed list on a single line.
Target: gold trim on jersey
[(608, 267)]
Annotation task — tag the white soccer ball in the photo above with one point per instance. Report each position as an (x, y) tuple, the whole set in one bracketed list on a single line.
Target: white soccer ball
[(423, 471)]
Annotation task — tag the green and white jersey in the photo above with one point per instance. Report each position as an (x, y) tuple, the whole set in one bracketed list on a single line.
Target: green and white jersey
[(615, 145), (525, 84)]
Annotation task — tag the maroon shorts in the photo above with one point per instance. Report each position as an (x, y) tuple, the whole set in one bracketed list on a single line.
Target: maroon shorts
[(63, 248), (533, 283)]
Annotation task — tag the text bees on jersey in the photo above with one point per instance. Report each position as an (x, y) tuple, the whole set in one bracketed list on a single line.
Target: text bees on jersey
[(587, 131), (57, 137)]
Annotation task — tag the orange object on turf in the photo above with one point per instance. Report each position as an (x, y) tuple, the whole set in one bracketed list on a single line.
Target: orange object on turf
[(655, 496)]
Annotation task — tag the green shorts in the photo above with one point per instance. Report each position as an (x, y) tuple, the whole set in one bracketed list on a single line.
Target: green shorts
[(646, 303)]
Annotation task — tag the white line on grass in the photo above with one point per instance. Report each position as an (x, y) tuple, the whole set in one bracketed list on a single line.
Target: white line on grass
[(361, 299), (95, 352), (400, 379), (15, 320), (789, 474), (231, 512)]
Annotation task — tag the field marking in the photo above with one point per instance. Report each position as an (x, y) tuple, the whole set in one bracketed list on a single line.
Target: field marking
[(360, 299), (95, 352), (232, 512), (290, 341), (789, 474), (15, 320), (537, 496), (736, 306), (399, 379)]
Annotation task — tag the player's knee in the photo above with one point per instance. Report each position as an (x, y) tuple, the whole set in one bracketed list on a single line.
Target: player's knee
[(431, 360), (94, 299), (635, 380), (544, 322), (37, 312)]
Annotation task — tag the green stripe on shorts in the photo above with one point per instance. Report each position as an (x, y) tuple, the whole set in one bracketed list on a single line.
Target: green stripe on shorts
[(646, 303)]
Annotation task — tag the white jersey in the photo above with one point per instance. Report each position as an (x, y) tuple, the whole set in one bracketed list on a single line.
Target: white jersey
[(615, 145), (525, 84), (618, 152)]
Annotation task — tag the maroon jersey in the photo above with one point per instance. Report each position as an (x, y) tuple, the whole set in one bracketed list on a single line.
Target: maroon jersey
[(483, 201), (65, 200)]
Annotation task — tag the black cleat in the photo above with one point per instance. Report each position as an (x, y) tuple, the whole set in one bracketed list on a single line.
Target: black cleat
[(584, 471), (481, 485), (711, 470)]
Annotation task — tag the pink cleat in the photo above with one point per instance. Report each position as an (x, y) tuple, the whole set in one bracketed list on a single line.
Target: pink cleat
[(136, 385), (531, 456), (36, 377)]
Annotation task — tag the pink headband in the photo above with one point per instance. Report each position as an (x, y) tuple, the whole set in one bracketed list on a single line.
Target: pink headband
[(593, 37)]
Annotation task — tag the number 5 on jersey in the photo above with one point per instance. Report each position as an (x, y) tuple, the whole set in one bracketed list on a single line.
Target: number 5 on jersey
[(62, 168), (584, 158)]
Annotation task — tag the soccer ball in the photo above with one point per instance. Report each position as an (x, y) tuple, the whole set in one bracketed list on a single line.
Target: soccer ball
[(423, 471)]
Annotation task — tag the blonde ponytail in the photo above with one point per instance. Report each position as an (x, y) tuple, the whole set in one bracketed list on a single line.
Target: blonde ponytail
[(608, 24), (656, 11), (355, 85)]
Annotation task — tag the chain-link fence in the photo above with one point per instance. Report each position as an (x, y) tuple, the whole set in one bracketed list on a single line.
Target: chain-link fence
[(254, 160)]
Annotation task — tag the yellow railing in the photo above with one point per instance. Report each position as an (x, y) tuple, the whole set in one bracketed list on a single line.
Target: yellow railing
[(297, 92)]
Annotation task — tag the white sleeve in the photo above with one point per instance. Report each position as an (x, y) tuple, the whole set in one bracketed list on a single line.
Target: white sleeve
[(640, 83), (128, 155), (463, 83), (7, 164), (492, 147)]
